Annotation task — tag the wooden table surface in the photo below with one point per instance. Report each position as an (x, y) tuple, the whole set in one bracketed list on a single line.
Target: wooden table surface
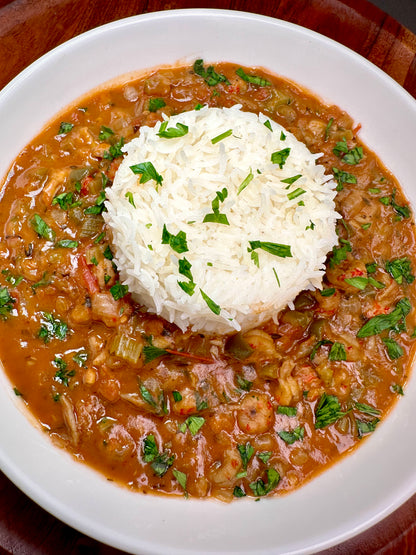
[(28, 29)]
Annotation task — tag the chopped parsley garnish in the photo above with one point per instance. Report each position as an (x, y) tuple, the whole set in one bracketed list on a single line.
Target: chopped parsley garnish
[(290, 180), (150, 352), (155, 104), (295, 435), (66, 244), (367, 409), (243, 384), (339, 253), (288, 411), (394, 350), (160, 462), (296, 193), (187, 286), (147, 172), (348, 156), (361, 282), (210, 76), (245, 182), (253, 79), (80, 358), (17, 392), (173, 132), (402, 211), (400, 268), (115, 150), (108, 253), (327, 411), (222, 136), (364, 427), (268, 125), (238, 492), (337, 352), (42, 228), (181, 478), (129, 197), (193, 423), (264, 456), (118, 291), (328, 128), (382, 322), (62, 375), (65, 127), (397, 388), (65, 200), (317, 346), (328, 292), (105, 133), (282, 136), (176, 242), (280, 156), (246, 452), (52, 328), (176, 396), (216, 216), (342, 177), (276, 276), (185, 268), (260, 488), (277, 249), (6, 302), (98, 207), (14, 280), (147, 396), (216, 309)]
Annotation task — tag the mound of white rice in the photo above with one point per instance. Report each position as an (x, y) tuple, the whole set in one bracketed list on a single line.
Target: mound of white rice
[(230, 277)]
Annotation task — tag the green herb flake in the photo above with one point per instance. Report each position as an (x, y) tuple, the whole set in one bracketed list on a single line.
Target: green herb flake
[(114, 151), (238, 492), (52, 328), (147, 172), (264, 456), (66, 244), (181, 478), (260, 488), (64, 200), (279, 157), (150, 352), (245, 182), (216, 216), (342, 177), (339, 253), (328, 129), (159, 462), (359, 282), (277, 249), (243, 384), (155, 104), (14, 280), (180, 130), (400, 268), (187, 286), (296, 193), (276, 276), (374, 190), (394, 350), (295, 435), (268, 125), (290, 180), (282, 136), (366, 427), (222, 136), (216, 309), (337, 352), (176, 396), (6, 302), (381, 322), (65, 127), (118, 291), (351, 157), (129, 197), (327, 411), (246, 452), (397, 388), (286, 410), (328, 292), (42, 228), (210, 76), (105, 133), (17, 392), (176, 242), (193, 423), (253, 79), (367, 409)]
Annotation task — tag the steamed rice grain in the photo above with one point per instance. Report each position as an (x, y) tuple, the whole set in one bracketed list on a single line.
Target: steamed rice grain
[(289, 203)]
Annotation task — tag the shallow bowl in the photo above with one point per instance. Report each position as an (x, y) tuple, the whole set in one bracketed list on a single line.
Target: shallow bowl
[(349, 497)]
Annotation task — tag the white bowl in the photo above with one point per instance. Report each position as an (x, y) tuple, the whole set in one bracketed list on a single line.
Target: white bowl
[(352, 495)]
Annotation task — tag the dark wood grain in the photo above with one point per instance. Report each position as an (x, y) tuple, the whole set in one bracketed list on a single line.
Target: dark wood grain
[(30, 28)]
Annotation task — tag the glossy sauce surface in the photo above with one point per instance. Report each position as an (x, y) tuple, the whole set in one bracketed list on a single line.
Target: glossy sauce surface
[(213, 415)]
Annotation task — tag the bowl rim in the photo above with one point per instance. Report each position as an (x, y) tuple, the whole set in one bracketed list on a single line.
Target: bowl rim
[(23, 481)]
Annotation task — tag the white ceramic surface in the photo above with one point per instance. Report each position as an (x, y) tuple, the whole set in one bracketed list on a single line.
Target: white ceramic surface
[(353, 494)]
